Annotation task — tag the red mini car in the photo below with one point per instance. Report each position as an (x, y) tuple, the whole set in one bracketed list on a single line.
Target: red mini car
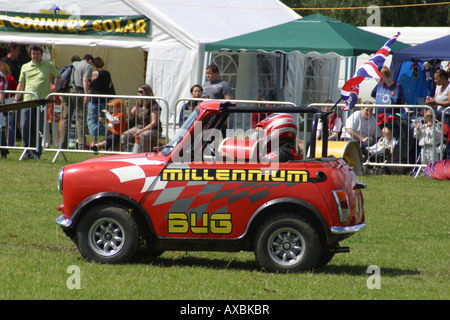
[(201, 192)]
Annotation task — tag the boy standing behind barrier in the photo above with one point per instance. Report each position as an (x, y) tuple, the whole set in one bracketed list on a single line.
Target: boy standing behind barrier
[(388, 92), (428, 139), (80, 82), (216, 88)]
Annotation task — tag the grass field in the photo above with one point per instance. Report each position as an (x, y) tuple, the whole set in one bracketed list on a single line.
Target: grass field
[(407, 239)]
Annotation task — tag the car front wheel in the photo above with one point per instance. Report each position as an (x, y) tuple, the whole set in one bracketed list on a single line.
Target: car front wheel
[(108, 235)]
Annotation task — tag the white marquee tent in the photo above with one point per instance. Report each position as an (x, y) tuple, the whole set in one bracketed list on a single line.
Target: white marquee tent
[(158, 42)]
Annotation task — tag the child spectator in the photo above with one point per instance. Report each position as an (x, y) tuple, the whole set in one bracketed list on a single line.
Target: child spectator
[(196, 92), (385, 144), (116, 125), (334, 125), (428, 139)]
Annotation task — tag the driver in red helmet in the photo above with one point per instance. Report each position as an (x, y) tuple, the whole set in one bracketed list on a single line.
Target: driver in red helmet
[(280, 132)]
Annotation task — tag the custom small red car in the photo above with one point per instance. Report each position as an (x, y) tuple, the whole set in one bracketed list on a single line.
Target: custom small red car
[(205, 193)]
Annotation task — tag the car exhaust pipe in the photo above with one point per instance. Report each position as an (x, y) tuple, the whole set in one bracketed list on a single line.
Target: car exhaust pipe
[(342, 249)]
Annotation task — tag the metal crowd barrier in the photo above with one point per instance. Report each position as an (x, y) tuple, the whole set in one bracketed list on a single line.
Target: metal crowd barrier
[(406, 154), (20, 128), (48, 137), (72, 101)]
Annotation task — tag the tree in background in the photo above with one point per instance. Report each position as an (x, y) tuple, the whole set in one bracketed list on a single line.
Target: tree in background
[(415, 13)]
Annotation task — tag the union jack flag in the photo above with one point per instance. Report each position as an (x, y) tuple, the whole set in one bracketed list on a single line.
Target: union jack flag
[(370, 69)]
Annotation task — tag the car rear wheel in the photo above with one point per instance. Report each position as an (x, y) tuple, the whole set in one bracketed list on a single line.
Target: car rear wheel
[(108, 235), (288, 244)]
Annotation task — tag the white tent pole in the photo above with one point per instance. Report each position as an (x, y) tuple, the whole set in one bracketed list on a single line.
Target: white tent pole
[(203, 58)]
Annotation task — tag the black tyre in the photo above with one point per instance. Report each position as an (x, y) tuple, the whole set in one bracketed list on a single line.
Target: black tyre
[(288, 244), (108, 234)]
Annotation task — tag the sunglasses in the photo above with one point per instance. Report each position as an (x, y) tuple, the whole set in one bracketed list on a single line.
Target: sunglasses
[(140, 91)]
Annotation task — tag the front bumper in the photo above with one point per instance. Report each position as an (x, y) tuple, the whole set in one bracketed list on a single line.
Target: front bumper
[(63, 221), (348, 229)]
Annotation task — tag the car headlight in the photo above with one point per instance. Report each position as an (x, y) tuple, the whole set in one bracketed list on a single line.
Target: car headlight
[(60, 180)]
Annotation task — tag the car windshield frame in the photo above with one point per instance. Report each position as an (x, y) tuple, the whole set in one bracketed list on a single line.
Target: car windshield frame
[(181, 132), (231, 108)]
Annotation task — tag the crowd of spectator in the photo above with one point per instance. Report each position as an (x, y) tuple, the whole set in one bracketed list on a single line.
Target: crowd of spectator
[(371, 127), (107, 120)]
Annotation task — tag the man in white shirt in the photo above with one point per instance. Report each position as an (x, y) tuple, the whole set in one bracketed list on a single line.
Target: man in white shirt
[(362, 127)]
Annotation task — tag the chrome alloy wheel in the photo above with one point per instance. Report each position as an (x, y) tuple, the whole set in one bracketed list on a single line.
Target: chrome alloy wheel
[(286, 246), (106, 237)]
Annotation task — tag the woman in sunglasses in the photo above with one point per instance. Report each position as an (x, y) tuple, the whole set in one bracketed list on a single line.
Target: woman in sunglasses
[(146, 115)]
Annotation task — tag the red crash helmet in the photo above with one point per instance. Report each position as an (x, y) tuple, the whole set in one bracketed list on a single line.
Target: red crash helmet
[(279, 126)]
